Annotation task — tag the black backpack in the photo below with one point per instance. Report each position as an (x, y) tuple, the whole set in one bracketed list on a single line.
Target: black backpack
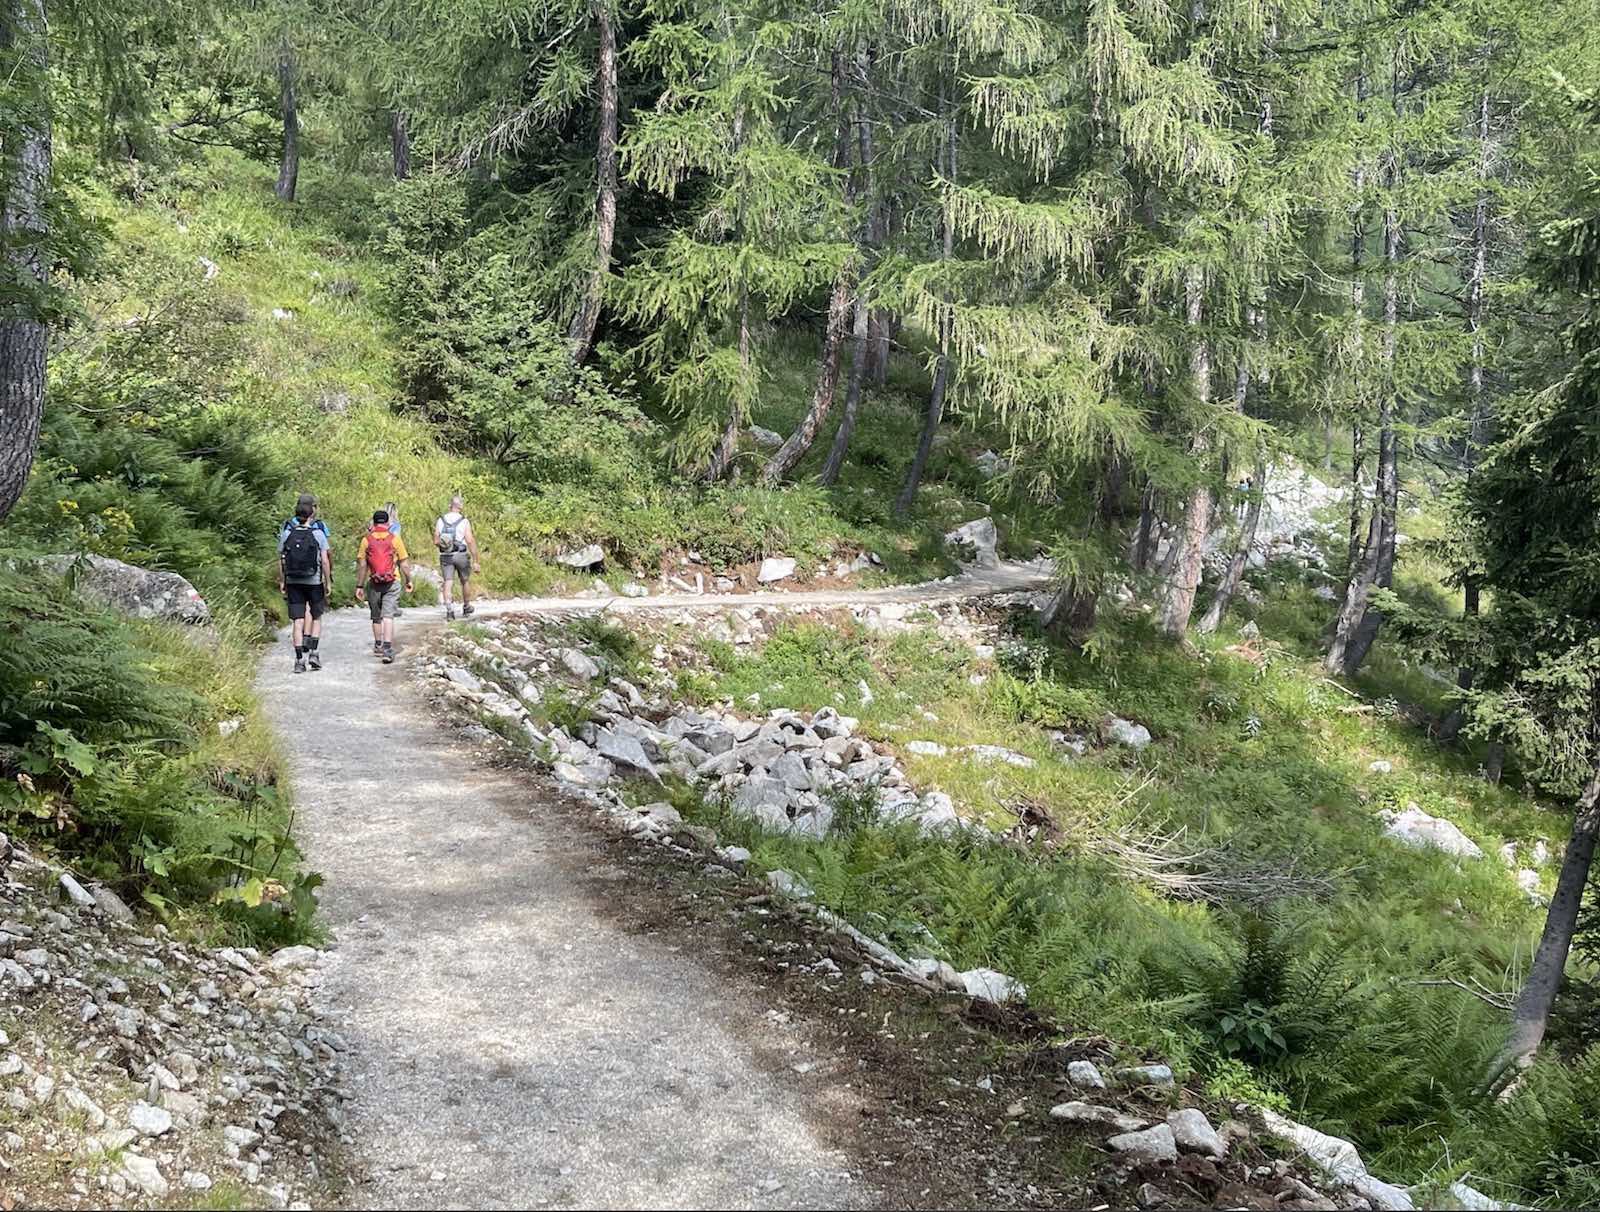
[(302, 554)]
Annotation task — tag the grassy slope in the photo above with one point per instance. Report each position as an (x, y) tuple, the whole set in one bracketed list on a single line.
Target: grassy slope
[(1259, 762)]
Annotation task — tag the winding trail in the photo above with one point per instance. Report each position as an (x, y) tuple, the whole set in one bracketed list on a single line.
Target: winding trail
[(511, 1045)]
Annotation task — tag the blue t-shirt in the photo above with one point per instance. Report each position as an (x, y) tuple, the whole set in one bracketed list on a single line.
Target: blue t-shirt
[(319, 531)]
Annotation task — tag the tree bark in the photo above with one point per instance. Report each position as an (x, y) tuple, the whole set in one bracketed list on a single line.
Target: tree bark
[(1358, 621), (1531, 1014), (581, 333), (1143, 547), (289, 162), (1212, 619), (852, 393), (400, 144), (941, 374), (722, 456), (24, 236), (1178, 604)]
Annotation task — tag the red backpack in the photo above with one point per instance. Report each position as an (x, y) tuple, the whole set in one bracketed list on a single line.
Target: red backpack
[(380, 554)]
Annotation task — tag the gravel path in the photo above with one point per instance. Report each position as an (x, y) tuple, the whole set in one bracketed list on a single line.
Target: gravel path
[(510, 1045)]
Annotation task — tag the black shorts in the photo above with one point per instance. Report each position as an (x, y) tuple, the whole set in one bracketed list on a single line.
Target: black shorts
[(302, 596)]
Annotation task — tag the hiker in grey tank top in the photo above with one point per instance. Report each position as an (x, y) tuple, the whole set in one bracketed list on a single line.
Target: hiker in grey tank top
[(458, 555)]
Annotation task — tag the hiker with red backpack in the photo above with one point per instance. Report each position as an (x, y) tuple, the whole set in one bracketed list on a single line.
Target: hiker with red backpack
[(381, 561)]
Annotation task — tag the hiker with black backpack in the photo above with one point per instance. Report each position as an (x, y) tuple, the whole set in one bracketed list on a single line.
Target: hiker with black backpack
[(458, 554), (305, 570), (381, 561)]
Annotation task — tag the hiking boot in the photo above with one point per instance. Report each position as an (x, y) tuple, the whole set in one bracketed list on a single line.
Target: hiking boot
[(377, 648), (468, 610), (449, 612), (388, 654), (315, 658), (299, 664)]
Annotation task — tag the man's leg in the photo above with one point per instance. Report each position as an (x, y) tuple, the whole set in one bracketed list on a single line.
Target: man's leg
[(447, 570), (465, 569), (297, 627), (314, 627)]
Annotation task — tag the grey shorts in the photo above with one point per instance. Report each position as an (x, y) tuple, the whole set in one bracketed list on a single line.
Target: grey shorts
[(383, 600), (458, 562)]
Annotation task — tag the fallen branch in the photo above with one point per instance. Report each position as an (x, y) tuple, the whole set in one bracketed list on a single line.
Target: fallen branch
[(1499, 1000)]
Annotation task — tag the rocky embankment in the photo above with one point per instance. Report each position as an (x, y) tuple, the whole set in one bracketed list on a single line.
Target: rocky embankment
[(137, 1069)]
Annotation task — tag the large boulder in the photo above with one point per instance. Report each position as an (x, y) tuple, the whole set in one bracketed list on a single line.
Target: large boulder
[(1416, 829), (775, 568), (975, 542), (592, 556), (143, 593)]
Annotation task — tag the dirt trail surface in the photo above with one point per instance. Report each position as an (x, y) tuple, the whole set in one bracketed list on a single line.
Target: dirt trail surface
[(511, 1045)]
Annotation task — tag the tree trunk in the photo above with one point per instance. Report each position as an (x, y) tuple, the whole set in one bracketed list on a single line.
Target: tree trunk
[(722, 457), (1178, 604), (1358, 621), (289, 163), (852, 393), (1531, 1013), (1241, 554), (941, 374), (1476, 278), (24, 236), (581, 334), (1358, 459), (1143, 547), (400, 144)]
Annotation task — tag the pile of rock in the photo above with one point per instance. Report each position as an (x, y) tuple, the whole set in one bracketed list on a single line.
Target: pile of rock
[(133, 1066)]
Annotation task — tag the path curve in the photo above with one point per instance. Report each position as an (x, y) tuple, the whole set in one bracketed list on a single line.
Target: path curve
[(510, 1045)]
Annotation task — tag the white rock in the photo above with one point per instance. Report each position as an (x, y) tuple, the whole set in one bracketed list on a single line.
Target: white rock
[(926, 748), (1416, 829), (786, 883), (975, 542), (194, 1180), (775, 568), (149, 1121), (1085, 1074), (1473, 1200), (1381, 766), (1508, 854), (239, 1137), (1089, 1113), (936, 810), (144, 1174), (632, 589), (591, 556), (290, 958), (1123, 732), (1145, 1075), (228, 727), (1541, 853), (1155, 1143), (993, 986), (466, 679), (1528, 881), (998, 753), (1194, 1133), (1385, 1197), (75, 892), (733, 854), (765, 438), (78, 1101), (578, 664), (1333, 1155), (625, 751)]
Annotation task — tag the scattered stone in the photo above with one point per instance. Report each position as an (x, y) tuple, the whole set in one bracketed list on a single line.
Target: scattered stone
[(975, 542), (1118, 731), (1086, 1075), (926, 748), (626, 752), (775, 568), (736, 855), (584, 558), (1090, 1113), (993, 986), (75, 892), (195, 1180), (1334, 1156), (1381, 766), (144, 1174), (149, 1121), (1145, 1075), (578, 664), (765, 438), (1194, 1133), (1156, 1143), (999, 753), (1385, 1197), (786, 883)]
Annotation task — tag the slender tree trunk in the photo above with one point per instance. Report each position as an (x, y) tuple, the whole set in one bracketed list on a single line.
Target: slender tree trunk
[(289, 162), (1212, 619), (581, 334), (1358, 460), (1531, 1013), (400, 144), (840, 309), (24, 236), (1476, 278), (1178, 604), (941, 374), (852, 393), (1358, 621), (728, 444), (1143, 547)]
